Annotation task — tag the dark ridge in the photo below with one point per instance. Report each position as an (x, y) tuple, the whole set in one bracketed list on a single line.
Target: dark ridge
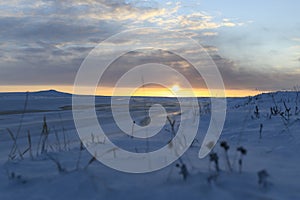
[(277, 93), (49, 93), (46, 93)]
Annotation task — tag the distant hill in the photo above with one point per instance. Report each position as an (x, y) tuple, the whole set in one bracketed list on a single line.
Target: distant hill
[(50, 93), (279, 94), (44, 93)]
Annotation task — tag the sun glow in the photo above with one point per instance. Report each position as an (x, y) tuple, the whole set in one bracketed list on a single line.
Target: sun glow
[(175, 88), (147, 91)]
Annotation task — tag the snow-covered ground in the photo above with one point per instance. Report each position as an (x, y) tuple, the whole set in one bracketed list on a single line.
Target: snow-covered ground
[(67, 171)]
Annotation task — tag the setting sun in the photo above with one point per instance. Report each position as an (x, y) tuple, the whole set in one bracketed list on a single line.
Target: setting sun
[(175, 88)]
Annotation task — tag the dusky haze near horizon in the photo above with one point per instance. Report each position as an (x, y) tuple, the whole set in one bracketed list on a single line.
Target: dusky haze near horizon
[(255, 44)]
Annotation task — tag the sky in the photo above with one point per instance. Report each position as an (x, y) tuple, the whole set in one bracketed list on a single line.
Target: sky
[(255, 44)]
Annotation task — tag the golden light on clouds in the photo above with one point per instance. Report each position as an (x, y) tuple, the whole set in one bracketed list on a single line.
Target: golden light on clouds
[(142, 91), (177, 90)]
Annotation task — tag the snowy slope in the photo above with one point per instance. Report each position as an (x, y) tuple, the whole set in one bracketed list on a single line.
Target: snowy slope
[(276, 151)]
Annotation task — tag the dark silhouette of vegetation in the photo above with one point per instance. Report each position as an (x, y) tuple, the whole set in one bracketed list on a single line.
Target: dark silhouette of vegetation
[(213, 157), (226, 147), (243, 152)]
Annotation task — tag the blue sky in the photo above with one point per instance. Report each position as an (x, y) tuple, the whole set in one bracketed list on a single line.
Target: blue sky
[(272, 29), (255, 44)]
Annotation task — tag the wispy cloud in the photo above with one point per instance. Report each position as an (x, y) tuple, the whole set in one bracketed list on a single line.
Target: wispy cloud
[(44, 42), (296, 39)]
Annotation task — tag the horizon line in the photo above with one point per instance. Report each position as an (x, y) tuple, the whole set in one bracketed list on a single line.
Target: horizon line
[(146, 91), (100, 95)]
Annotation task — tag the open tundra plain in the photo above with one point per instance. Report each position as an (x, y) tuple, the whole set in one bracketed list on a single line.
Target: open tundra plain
[(256, 157)]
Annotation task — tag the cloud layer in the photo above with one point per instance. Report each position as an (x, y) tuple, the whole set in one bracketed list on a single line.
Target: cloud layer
[(44, 42)]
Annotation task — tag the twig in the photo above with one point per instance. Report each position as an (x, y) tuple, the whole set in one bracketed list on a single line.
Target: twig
[(15, 146), (30, 144)]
